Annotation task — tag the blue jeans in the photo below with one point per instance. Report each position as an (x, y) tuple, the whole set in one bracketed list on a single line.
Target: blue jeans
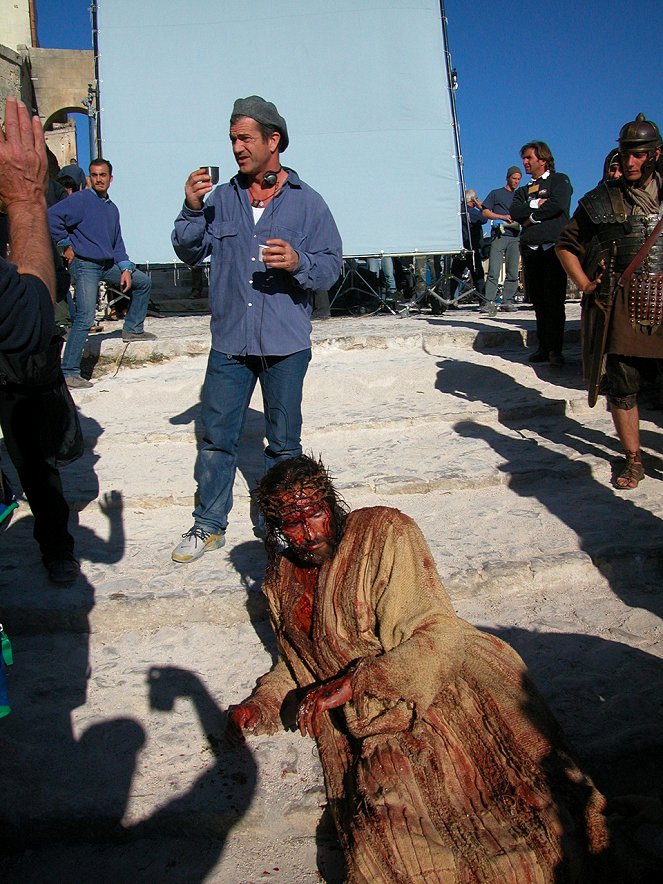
[(387, 264), (86, 276), (229, 385)]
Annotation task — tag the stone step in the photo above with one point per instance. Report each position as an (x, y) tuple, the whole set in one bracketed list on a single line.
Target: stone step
[(452, 450), (525, 539), (463, 328), (444, 403)]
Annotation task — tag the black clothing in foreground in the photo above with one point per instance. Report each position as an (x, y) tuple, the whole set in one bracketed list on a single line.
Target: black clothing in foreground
[(26, 311)]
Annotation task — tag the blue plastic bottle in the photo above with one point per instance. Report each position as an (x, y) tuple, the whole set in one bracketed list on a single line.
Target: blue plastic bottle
[(6, 659)]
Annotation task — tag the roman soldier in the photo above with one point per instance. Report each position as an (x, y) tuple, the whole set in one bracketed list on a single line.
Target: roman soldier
[(612, 249)]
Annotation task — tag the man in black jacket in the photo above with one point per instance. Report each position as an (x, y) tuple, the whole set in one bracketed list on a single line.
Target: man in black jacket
[(27, 292), (542, 208)]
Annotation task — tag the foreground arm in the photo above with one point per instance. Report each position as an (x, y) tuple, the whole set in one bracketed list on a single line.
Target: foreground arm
[(261, 712), (26, 312), (571, 252), (23, 181), (576, 274)]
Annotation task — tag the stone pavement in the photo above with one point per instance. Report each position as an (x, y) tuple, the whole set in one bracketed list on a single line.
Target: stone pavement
[(111, 759)]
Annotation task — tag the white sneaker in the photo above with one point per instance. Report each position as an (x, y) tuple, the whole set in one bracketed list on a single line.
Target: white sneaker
[(195, 542)]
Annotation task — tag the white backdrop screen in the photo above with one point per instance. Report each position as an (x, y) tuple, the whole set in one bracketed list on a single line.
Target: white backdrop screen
[(362, 85)]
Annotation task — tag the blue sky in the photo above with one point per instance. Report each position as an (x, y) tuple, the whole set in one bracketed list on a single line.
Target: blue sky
[(569, 73)]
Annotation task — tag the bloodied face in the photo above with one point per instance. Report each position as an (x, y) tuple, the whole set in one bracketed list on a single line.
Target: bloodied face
[(307, 525)]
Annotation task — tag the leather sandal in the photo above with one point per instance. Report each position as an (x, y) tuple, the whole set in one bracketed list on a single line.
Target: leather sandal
[(632, 474)]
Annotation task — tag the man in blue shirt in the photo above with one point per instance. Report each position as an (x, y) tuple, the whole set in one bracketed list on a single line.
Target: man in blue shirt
[(87, 226), (505, 243), (273, 243)]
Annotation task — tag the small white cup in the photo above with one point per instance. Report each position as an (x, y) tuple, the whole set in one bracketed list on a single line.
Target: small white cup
[(261, 252)]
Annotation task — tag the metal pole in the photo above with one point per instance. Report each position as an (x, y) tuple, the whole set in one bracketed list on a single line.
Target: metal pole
[(452, 79), (95, 49), (90, 118)]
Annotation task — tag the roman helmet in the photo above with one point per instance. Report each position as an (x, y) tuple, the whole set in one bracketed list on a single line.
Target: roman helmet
[(641, 134)]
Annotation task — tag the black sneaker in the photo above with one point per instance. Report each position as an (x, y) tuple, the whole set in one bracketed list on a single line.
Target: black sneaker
[(63, 570), (539, 356)]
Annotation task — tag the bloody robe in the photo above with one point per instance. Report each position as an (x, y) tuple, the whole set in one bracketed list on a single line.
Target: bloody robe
[(446, 766)]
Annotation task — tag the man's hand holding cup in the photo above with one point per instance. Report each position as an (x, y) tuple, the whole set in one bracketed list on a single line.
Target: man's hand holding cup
[(199, 184)]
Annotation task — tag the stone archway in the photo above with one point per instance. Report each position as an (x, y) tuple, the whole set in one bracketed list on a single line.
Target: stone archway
[(59, 115), (61, 78)]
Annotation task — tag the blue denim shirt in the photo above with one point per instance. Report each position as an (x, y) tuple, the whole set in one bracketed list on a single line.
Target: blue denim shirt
[(258, 311)]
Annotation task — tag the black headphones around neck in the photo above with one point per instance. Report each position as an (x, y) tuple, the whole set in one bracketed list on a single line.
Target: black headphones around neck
[(270, 178)]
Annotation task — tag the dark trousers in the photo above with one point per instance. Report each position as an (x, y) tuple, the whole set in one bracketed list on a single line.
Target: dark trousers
[(545, 286), (458, 265), (21, 420)]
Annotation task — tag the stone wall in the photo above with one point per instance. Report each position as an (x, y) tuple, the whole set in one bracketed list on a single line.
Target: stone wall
[(15, 18), (61, 139), (14, 76), (52, 81)]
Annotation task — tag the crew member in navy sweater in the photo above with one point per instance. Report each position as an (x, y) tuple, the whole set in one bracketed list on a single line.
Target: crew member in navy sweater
[(87, 227)]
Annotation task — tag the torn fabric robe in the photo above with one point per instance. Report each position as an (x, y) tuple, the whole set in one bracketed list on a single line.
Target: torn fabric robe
[(447, 765)]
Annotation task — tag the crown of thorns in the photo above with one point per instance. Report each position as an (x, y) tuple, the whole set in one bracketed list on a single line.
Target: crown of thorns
[(275, 509), (303, 478)]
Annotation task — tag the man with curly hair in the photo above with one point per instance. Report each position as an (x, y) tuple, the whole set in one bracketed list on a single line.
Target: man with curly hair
[(442, 763)]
